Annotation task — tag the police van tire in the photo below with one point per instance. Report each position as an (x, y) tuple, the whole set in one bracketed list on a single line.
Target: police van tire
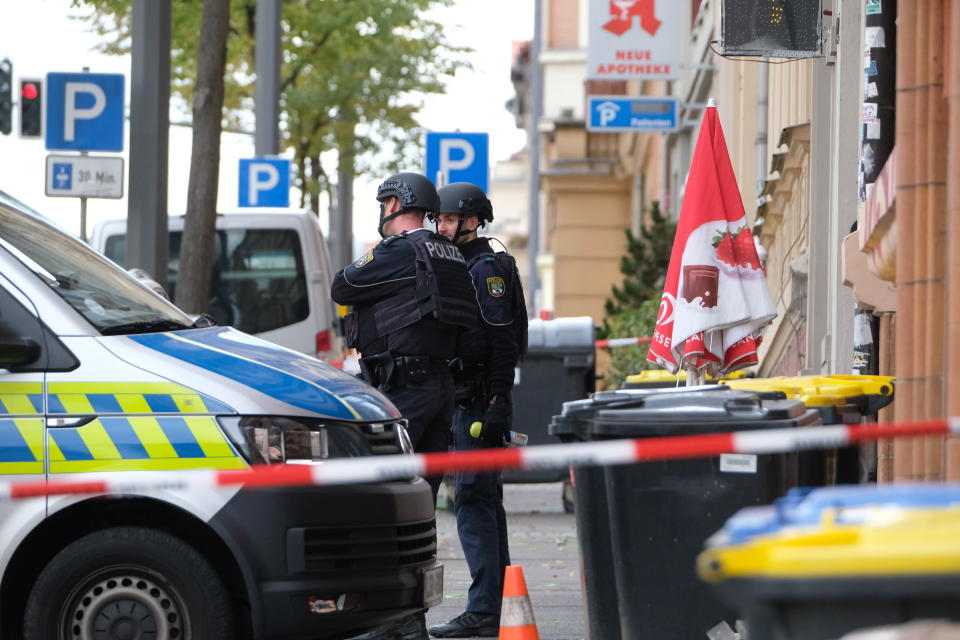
[(131, 581)]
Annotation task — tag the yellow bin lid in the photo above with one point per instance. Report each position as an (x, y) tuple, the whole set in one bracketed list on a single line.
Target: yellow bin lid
[(821, 390), (890, 540)]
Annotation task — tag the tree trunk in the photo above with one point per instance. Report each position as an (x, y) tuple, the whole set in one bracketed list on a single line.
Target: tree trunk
[(318, 184), (196, 249), (304, 179)]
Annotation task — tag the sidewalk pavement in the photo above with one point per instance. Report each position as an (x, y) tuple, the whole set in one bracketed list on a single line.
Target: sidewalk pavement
[(543, 540)]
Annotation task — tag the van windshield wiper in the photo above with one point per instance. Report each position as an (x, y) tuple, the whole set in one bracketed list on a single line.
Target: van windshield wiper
[(145, 326)]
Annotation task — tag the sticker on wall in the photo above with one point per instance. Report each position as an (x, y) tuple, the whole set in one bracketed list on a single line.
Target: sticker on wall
[(869, 111), (870, 91), (872, 68), (873, 130), (874, 7), (875, 38)]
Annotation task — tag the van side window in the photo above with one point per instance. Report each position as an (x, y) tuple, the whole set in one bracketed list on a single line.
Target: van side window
[(54, 356), (258, 282)]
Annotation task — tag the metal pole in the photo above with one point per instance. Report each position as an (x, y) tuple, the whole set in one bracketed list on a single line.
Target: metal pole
[(267, 91), (343, 224), (149, 138), (83, 199), (83, 218), (533, 142)]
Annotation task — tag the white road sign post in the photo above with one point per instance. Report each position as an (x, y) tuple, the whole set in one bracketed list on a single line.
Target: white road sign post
[(635, 39)]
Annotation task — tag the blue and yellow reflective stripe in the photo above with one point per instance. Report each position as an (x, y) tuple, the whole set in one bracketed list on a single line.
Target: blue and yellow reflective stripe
[(99, 398), (21, 446), (21, 398), (141, 444)]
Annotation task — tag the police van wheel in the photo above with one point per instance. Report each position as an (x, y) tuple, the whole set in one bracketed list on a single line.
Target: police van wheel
[(125, 583)]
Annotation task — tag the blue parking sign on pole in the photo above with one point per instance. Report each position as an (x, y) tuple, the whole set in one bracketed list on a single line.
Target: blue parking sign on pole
[(458, 157), (85, 111), (264, 182)]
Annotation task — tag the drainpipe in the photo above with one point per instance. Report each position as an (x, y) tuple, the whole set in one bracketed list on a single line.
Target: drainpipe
[(763, 86), (533, 142)]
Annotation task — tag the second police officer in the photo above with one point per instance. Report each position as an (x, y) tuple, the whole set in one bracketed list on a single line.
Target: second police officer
[(411, 297), (489, 355)]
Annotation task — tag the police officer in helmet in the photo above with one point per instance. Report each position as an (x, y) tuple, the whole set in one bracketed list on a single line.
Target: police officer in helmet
[(489, 355), (411, 297)]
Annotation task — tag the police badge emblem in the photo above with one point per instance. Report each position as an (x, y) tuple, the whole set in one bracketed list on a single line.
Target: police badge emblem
[(495, 286), (366, 258)]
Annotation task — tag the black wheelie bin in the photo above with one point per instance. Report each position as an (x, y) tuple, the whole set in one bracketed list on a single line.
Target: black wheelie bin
[(660, 512)]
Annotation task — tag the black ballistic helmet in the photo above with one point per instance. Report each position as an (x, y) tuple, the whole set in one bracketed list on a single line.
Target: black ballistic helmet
[(465, 199), (414, 191)]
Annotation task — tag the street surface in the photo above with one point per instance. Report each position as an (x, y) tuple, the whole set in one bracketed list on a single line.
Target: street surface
[(543, 540)]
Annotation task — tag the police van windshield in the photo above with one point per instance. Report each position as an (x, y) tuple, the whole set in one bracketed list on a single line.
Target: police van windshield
[(109, 298)]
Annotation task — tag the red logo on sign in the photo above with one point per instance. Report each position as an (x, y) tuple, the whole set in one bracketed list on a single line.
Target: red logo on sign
[(623, 12)]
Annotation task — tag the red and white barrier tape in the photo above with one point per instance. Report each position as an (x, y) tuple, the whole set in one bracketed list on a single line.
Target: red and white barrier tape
[(556, 456), (621, 342)]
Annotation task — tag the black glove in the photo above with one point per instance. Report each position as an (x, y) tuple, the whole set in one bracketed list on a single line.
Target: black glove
[(496, 422)]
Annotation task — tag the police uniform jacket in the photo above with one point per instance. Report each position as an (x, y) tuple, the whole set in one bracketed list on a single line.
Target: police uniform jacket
[(494, 344)]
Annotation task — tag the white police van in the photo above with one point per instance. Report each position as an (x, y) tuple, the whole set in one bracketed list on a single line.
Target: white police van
[(100, 374), (271, 276)]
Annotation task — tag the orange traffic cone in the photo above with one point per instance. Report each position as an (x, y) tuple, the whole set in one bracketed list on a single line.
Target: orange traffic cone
[(516, 613)]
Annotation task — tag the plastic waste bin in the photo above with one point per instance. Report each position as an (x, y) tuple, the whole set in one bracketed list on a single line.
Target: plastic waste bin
[(816, 565), (592, 515), (660, 378), (660, 512), (559, 367), (840, 399)]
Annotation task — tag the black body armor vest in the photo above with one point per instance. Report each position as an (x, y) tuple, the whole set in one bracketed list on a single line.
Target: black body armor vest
[(427, 318)]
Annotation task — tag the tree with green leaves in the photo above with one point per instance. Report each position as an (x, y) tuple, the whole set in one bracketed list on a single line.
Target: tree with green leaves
[(631, 312), (354, 75), (645, 264)]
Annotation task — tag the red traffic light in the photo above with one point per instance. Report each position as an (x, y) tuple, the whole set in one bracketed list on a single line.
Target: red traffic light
[(29, 91)]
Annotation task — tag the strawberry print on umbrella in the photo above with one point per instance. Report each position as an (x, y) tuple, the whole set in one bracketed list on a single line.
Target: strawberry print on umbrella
[(716, 300)]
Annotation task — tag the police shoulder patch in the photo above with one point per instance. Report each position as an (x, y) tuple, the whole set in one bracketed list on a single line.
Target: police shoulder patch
[(495, 286), (366, 258)]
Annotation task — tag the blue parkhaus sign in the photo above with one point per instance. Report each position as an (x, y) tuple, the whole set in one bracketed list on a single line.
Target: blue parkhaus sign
[(85, 111), (623, 113)]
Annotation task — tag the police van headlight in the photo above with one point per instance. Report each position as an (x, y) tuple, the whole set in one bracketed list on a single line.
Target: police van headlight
[(274, 440)]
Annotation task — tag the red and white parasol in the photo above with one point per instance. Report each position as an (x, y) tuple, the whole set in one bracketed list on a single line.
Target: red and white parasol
[(715, 300)]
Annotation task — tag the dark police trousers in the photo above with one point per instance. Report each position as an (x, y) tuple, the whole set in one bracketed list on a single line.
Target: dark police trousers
[(481, 520), (428, 408)]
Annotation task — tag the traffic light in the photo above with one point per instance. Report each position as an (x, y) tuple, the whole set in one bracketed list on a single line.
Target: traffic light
[(31, 101), (6, 96), (777, 28)]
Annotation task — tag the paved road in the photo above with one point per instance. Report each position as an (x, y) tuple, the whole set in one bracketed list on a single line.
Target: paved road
[(543, 540)]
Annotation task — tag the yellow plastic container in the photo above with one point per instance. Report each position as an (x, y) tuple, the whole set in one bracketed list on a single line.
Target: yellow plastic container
[(662, 377), (869, 393), (840, 559), (892, 541)]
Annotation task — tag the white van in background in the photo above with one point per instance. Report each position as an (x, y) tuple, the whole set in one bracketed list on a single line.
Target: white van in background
[(271, 277)]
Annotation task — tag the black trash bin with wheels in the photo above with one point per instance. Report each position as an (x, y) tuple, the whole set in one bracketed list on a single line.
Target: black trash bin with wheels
[(592, 515), (661, 512), (558, 367)]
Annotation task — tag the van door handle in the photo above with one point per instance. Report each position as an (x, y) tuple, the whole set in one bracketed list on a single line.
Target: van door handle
[(72, 421)]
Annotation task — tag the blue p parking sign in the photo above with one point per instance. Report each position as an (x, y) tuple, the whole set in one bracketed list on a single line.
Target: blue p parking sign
[(459, 157), (85, 111), (264, 182)]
